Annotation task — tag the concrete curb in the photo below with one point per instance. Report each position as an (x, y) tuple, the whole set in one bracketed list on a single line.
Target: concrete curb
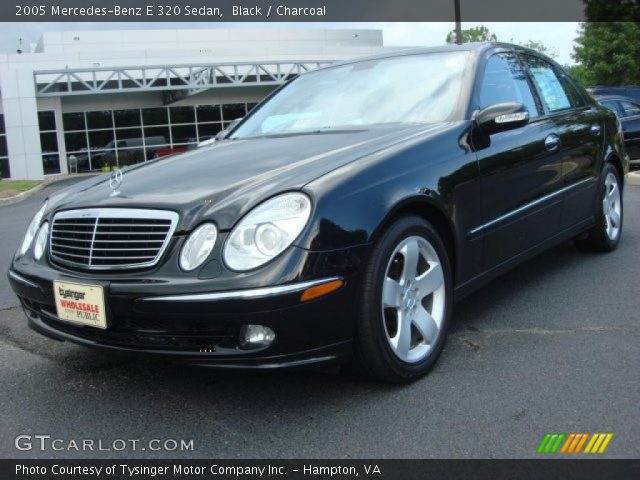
[(633, 178), (45, 183)]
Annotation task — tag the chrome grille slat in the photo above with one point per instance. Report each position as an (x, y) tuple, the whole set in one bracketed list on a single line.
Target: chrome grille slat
[(66, 254), (126, 241), (131, 233), (57, 245), (108, 249), (123, 258), (110, 238), (123, 249), (130, 225)]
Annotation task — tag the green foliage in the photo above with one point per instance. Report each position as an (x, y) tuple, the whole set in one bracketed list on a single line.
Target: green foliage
[(18, 185), (538, 46), (474, 34), (609, 53), (612, 10), (579, 73)]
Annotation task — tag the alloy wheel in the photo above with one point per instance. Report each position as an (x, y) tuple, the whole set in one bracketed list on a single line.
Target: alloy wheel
[(413, 299), (611, 206)]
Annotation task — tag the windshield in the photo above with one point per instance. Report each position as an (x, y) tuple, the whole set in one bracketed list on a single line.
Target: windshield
[(405, 89)]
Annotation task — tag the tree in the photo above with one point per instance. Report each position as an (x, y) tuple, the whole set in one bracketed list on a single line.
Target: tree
[(609, 53), (579, 73), (608, 47), (473, 34), (538, 46), (612, 10)]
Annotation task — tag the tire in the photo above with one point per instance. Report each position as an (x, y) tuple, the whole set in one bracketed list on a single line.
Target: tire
[(384, 350), (605, 235)]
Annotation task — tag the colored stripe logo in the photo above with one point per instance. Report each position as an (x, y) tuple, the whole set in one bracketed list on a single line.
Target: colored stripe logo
[(574, 443)]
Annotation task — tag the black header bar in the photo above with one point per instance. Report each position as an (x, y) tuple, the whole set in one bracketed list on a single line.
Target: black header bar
[(290, 10), (319, 469)]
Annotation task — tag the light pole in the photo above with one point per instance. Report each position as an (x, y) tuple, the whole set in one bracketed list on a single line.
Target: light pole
[(458, 22)]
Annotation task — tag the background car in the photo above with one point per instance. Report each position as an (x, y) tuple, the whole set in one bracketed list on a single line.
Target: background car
[(181, 145), (631, 91), (628, 111)]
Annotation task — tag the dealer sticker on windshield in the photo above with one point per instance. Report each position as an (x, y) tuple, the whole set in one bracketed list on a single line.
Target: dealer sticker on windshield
[(79, 303)]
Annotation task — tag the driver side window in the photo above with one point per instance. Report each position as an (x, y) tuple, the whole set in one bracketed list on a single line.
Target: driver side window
[(504, 81)]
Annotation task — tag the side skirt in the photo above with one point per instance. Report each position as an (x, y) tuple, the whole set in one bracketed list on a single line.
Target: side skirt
[(463, 290)]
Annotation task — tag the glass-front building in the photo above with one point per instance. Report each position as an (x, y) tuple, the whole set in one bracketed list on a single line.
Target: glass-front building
[(106, 138), (86, 101), (4, 156)]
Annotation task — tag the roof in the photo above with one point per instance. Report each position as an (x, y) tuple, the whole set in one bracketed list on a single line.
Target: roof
[(476, 47)]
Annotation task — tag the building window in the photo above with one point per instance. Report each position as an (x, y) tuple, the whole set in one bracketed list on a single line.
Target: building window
[(209, 113), (73, 121), (233, 111), (49, 142), (4, 158), (100, 119), (155, 116), (126, 118), (108, 139), (182, 115)]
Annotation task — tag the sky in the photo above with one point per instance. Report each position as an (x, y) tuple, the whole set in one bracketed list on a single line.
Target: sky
[(557, 36)]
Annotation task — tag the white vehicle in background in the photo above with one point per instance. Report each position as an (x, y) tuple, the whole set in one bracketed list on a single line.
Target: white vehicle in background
[(222, 134), (208, 141)]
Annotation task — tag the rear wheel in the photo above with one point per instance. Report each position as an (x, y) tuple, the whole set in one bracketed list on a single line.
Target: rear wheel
[(605, 235), (406, 303)]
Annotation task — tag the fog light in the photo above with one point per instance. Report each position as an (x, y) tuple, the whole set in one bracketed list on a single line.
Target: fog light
[(256, 336)]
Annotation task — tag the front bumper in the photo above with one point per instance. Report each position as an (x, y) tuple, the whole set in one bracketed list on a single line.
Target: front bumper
[(196, 326)]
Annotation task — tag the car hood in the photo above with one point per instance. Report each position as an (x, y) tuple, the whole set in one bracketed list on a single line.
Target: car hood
[(227, 179)]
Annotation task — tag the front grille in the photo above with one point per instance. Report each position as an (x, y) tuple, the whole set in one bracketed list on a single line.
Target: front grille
[(110, 238)]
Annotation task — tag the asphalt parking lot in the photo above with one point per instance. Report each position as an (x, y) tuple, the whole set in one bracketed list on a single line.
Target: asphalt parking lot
[(553, 346)]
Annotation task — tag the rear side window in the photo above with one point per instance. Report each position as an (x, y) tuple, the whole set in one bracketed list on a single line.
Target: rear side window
[(574, 94), (505, 81), (630, 109), (554, 94)]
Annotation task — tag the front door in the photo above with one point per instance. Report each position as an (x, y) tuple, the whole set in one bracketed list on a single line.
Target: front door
[(520, 169)]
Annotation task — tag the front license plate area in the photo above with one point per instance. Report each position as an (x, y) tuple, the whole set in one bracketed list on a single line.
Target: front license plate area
[(80, 303)]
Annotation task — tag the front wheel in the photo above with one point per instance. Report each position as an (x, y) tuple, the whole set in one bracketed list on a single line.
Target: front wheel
[(605, 235), (405, 304)]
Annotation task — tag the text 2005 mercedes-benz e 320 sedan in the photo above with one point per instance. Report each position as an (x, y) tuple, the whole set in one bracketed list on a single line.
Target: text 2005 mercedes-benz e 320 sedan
[(337, 221)]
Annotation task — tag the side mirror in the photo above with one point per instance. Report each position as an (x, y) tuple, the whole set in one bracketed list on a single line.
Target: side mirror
[(501, 117), (223, 134)]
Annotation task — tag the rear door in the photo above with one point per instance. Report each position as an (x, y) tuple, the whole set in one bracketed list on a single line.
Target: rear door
[(580, 128), (520, 171)]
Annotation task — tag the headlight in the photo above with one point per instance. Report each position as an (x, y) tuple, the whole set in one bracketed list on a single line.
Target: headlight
[(267, 231), (198, 246), (32, 230), (41, 241)]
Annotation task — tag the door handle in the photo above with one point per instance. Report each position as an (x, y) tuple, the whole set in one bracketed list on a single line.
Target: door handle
[(552, 142), (595, 130)]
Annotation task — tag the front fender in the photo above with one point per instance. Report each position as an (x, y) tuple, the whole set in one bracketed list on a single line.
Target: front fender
[(354, 203)]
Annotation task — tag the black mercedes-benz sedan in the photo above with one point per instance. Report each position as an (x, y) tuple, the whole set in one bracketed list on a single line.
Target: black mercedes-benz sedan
[(338, 221)]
